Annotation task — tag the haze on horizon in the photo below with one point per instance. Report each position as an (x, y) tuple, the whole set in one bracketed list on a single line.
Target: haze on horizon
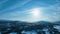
[(30, 10)]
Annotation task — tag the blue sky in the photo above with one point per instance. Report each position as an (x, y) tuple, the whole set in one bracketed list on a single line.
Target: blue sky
[(49, 10)]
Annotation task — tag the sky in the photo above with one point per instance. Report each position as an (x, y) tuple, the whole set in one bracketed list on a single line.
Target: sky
[(30, 10)]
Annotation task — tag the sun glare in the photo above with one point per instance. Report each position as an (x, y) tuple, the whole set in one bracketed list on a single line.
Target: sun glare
[(35, 12)]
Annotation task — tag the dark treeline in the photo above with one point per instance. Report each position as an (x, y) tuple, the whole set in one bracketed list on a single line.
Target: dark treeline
[(6, 27)]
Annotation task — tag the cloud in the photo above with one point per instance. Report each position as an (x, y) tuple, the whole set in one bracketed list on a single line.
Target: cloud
[(3, 1), (17, 5)]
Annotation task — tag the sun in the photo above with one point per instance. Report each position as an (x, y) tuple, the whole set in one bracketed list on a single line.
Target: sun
[(35, 12)]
